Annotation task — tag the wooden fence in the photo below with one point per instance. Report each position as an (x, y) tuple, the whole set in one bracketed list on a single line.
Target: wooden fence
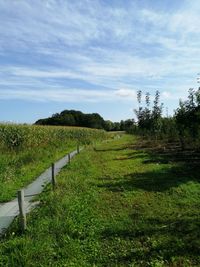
[(21, 196)]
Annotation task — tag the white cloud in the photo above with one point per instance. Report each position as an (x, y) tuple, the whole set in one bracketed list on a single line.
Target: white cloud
[(126, 93), (112, 47), (166, 95), (35, 73), (67, 95)]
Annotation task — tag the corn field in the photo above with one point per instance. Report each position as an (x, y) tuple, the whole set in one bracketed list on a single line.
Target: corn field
[(26, 151), (19, 137)]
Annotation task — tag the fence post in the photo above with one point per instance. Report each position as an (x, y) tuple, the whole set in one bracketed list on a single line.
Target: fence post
[(53, 175), (69, 158), (78, 150), (22, 211), (94, 145)]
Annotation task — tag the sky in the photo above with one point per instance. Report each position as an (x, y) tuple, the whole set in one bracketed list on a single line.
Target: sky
[(94, 55)]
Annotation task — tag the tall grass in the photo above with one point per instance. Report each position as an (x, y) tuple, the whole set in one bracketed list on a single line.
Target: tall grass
[(25, 151)]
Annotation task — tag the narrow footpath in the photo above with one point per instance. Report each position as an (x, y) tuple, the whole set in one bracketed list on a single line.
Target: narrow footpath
[(9, 210)]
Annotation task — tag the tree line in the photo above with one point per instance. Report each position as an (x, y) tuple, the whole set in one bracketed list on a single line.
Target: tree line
[(78, 118), (182, 126)]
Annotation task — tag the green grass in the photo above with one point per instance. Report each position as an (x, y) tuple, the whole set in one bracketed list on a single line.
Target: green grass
[(19, 169), (27, 151), (113, 206)]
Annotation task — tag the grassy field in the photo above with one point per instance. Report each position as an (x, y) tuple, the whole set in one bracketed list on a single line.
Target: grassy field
[(116, 205), (26, 151)]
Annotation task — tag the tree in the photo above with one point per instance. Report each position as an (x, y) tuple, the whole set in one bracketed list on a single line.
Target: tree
[(74, 118), (149, 121), (187, 117)]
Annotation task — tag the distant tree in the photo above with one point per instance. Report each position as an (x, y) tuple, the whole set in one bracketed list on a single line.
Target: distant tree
[(149, 120), (139, 96), (147, 99), (74, 118), (108, 125), (116, 126), (187, 117)]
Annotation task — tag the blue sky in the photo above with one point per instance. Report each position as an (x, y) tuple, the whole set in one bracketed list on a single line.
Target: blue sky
[(93, 55)]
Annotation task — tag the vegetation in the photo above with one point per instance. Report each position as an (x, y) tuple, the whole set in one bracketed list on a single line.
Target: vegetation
[(26, 151), (77, 118), (132, 201), (126, 203), (183, 126), (188, 119)]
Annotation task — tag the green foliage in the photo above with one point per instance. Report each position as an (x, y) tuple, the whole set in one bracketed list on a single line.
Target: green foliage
[(74, 118), (184, 125), (77, 118), (149, 120), (12, 137), (26, 151), (144, 214), (188, 119)]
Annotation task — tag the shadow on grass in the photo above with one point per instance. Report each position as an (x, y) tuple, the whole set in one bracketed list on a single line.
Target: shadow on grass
[(185, 168), (155, 237), (111, 149), (176, 156), (156, 181), (133, 155)]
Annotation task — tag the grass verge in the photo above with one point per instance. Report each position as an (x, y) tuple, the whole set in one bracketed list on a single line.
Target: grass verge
[(114, 206), (19, 169), (27, 150)]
